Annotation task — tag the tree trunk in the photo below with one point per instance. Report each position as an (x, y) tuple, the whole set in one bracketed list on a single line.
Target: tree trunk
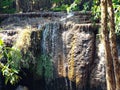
[(17, 6), (114, 44), (105, 38)]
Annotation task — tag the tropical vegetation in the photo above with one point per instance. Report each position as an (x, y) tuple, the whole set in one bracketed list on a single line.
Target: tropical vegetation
[(106, 10)]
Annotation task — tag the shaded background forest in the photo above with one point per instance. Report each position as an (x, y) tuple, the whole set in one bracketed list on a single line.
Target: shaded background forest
[(11, 6)]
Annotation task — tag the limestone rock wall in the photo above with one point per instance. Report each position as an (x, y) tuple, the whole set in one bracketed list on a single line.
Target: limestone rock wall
[(73, 59), (98, 76), (77, 61)]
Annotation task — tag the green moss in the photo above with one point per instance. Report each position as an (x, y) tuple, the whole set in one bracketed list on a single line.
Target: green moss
[(22, 55), (44, 67), (23, 41)]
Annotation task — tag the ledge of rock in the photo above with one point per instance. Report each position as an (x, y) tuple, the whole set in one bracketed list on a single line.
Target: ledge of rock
[(69, 41)]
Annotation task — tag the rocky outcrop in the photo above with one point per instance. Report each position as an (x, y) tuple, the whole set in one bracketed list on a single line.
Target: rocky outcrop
[(74, 55), (97, 77), (70, 46)]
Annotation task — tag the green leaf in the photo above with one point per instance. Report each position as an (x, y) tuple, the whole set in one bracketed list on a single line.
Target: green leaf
[(1, 42)]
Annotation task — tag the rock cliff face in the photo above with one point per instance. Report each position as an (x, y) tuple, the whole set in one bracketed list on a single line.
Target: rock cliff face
[(73, 59), (77, 63)]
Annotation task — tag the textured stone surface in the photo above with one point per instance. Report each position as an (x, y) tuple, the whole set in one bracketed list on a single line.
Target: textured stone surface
[(97, 77), (76, 56), (72, 50)]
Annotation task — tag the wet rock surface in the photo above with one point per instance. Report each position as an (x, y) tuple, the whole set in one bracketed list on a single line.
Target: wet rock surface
[(71, 44), (98, 81)]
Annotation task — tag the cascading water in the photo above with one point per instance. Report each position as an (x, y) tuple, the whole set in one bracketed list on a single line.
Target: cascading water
[(67, 17), (69, 47), (67, 50)]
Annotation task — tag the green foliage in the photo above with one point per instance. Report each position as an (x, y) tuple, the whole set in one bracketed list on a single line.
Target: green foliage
[(56, 1), (11, 74), (86, 6), (66, 7), (63, 7), (9, 69), (116, 5), (28, 60), (96, 9), (73, 6), (6, 6), (60, 8), (44, 66), (1, 29), (12, 60)]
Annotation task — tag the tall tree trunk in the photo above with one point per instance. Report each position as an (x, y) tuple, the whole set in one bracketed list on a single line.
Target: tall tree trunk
[(105, 38), (17, 6), (114, 44)]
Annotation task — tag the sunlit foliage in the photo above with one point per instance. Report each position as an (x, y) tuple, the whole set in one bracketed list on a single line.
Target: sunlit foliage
[(9, 63), (116, 5)]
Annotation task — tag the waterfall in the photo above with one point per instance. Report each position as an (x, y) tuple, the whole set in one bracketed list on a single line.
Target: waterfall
[(71, 14), (70, 47), (64, 51), (45, 34)]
